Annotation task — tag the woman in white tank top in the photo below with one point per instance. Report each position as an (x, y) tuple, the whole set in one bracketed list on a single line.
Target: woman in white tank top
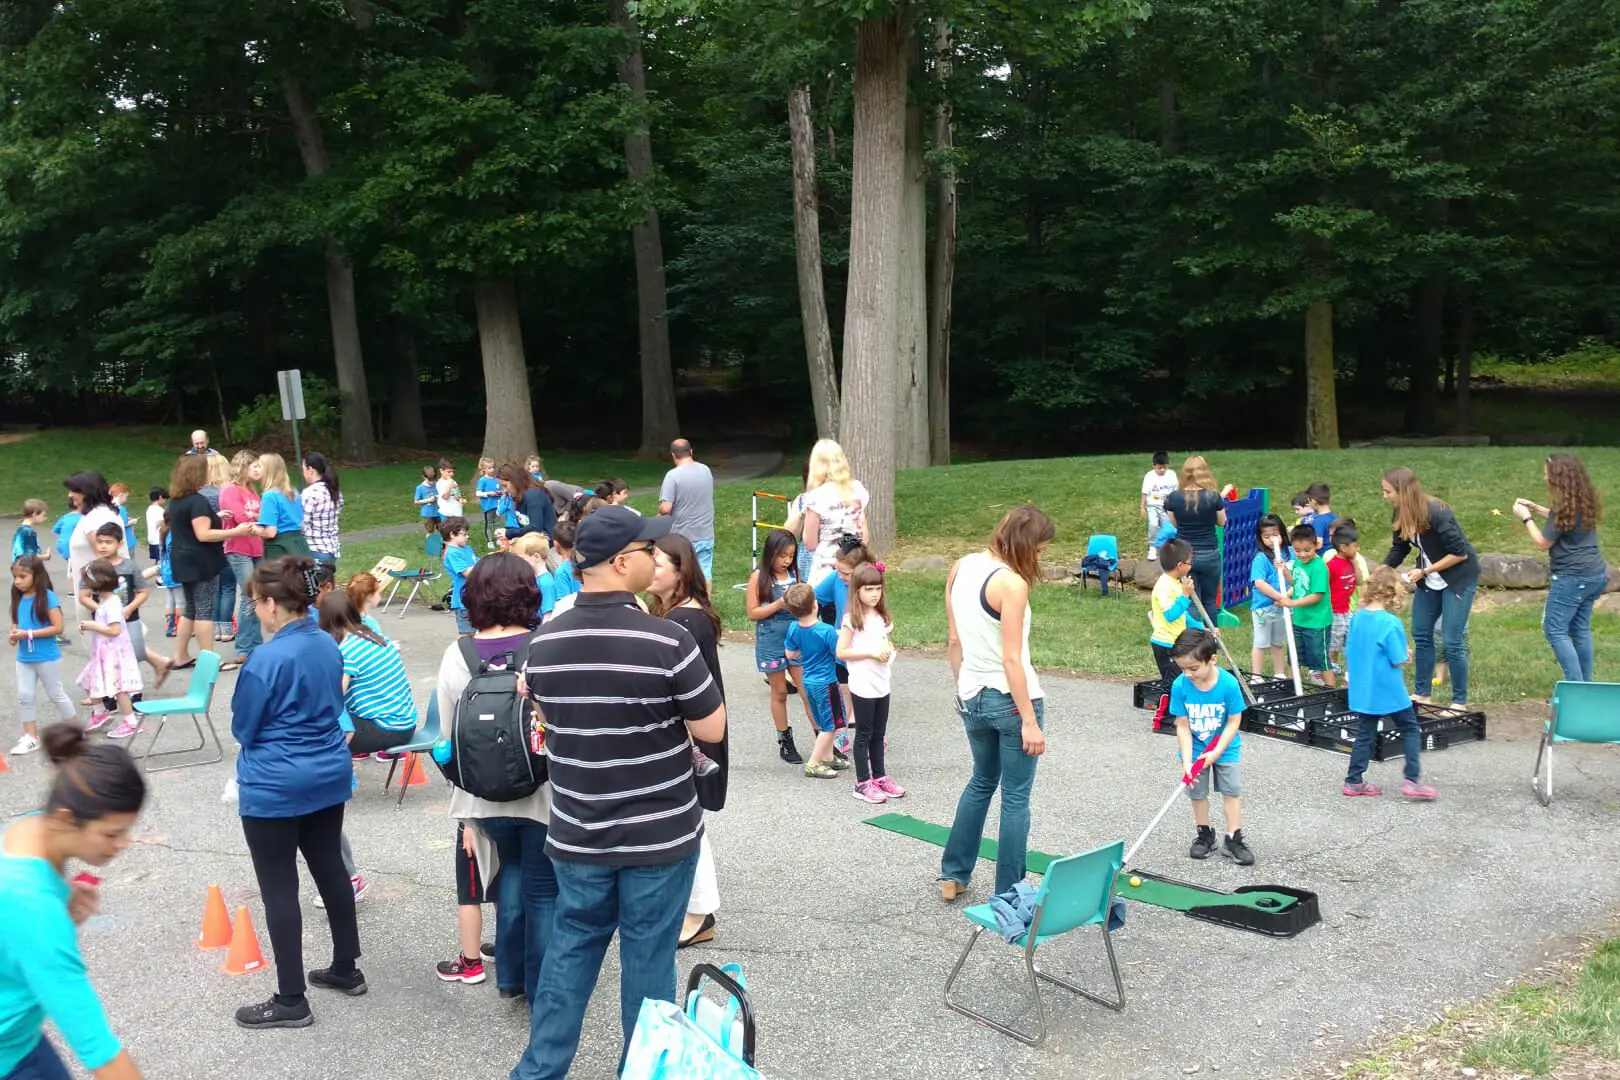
[(998, 694)]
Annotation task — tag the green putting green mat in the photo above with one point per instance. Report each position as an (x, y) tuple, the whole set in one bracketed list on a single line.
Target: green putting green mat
[(1174, 895)]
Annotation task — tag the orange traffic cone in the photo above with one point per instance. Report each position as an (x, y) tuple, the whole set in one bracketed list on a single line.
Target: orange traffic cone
[(4, 768), (414, 773), (216, 925), (244, 955)]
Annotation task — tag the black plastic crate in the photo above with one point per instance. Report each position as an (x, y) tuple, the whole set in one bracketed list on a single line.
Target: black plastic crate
[(1439, 726), (1146, 694)]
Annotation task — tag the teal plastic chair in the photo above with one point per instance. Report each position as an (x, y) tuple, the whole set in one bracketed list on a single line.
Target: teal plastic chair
[(1106, 548), (1075, 892), (194, 703), (1586, 712), (433, 549), (426, 736)]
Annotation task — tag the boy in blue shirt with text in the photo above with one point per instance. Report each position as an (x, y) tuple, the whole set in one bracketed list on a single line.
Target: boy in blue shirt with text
[(1207, 704), (427, 500), (459, 559), (1375, 650), (812, 647)]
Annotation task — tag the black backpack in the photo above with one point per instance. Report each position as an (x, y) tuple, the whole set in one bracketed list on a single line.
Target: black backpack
[(491, 755)]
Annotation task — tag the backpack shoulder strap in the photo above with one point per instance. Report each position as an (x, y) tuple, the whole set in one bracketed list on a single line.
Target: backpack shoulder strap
[(469, 656)]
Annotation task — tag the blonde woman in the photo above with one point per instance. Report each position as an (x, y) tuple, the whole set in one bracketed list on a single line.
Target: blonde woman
[(1196, 509), (239, 503), (1443, 583), (834, 505), (281, 514)]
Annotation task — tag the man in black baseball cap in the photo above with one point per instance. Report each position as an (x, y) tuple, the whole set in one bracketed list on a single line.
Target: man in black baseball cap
[(623, 694)]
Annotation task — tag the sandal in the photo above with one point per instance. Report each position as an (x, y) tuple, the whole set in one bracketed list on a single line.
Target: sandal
[(230, 665), (182, 667), (704, 932)]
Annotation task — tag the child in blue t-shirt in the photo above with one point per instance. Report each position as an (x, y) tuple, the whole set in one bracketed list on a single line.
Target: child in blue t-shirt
[(427, 500), (1270, 628), (1207, 704), (458, 560), (812, 647), (64, 531), (1375, 650), (26, 539), (489, 499), (34, 636)]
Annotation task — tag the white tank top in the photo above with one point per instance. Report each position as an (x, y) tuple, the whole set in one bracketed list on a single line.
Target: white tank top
[(979, 629)]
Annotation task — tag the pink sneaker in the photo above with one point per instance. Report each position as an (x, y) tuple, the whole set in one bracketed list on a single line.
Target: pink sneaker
[(98, 720), (1360, 789), (128, 729), (870, 792), (1416, 789), (888, 787)]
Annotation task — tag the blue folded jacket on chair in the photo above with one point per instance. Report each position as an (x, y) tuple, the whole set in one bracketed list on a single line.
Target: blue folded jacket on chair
[(1015, 910)]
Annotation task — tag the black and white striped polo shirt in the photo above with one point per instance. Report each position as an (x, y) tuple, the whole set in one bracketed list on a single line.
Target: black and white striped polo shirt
[(617, 687)]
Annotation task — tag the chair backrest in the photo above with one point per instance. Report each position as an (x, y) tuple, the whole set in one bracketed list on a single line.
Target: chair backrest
[(1586, 712), (431, 727), (1077, 889), (204, 677), (1105, 546), (433, 546)]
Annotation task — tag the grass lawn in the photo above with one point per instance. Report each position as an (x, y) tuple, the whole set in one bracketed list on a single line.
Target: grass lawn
[(951, 511), (34, 467), (1565, 1026)]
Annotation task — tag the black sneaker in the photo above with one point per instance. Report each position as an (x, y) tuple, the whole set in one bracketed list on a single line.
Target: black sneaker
[(273, 1014), (839, 755), (1237, 850), (353, 984), (510, 992), (1204, 845), (487, 949), (784, 746)]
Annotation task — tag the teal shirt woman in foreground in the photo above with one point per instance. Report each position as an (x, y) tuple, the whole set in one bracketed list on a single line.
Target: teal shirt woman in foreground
[(93, 802)]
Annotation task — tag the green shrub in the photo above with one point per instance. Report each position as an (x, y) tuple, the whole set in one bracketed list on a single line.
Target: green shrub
[(261, 420)]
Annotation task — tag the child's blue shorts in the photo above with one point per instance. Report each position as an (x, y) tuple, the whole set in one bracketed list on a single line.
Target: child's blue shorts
[(826, 703)]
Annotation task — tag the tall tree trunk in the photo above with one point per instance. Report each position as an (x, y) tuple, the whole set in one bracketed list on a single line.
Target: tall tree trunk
[(1423, 397), (358, 442), (818, 348), (1321, 408), (659, 424), (508, 409), (943, 276), (872, 307), (911, 340), (405, 415), (1465, 362)]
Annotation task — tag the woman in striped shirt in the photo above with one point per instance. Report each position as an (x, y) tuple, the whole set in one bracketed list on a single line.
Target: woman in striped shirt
[(376, 689)]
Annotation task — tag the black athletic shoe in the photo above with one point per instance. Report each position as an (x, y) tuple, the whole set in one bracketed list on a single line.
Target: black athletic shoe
[(488, 951), (1237, 850), (353, 984), (511, 992), (273, 1014), (1204, 845), (784, 746)]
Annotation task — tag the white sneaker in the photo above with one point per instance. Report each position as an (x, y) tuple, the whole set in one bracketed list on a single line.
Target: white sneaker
[(25, 745), (360, 885), (1153, 553)]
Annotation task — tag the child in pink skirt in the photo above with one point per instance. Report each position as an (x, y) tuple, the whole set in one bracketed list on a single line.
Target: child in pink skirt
[(113, 671)]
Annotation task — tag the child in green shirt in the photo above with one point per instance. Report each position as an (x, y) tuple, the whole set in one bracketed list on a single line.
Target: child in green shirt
[(1313, 612)]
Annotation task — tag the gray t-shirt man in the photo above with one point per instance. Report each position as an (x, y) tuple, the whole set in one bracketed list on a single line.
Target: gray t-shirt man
[(687, 495)]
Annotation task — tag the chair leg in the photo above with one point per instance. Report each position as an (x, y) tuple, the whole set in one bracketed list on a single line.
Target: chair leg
[(410, 763), (153, 753), (1113, 963), (1543, 787), (409, 598), (389, 599), (956, 1006), (392, 766)]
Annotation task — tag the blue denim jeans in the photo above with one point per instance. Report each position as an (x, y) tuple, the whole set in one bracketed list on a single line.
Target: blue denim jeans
[(40, 1063), (1567, 622), (525, 898), (225, 605), (995, 737), (1428, 605), (646, 905), (1206, 575), (1411, 743), (248, 636), (705, 556)]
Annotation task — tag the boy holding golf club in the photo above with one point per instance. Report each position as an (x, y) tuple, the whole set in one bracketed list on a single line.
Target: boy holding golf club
[(1170, 609), (1313, 612), (1207, 704)]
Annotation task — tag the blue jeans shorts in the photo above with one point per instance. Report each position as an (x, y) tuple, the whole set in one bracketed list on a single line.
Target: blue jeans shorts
[(826, 702), (1311, 642), (1228, 781)]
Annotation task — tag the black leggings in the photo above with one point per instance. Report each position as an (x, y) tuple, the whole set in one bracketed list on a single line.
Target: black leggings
[(274, 844), (871, 725)]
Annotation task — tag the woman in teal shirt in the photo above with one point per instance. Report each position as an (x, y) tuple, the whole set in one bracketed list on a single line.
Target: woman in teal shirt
[(93, 803)]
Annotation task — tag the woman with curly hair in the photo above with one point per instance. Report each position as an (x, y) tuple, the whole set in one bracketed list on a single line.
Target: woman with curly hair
[(1579, 574)]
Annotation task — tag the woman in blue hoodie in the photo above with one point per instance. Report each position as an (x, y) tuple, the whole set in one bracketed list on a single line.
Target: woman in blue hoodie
[(294, 776)]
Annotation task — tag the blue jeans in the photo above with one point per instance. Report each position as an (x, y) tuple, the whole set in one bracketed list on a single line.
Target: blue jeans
[(646, 905), (705, 555), (1428, 605), (40, 1063), (1567, 622), (227, 596), (247, 623), (995, 736), (1411, 743), (1206, 575), (525, 898)]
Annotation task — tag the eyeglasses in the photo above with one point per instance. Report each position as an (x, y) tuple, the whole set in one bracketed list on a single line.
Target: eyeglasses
[(646, 549)]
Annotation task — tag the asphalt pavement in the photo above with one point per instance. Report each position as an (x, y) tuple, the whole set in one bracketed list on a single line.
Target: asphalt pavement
[(844, 939)]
